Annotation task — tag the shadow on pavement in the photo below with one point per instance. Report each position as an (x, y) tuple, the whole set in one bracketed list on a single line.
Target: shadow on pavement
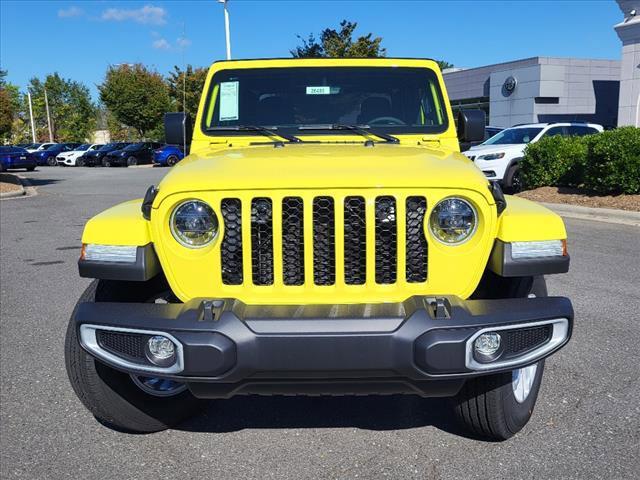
[(38, 182), (396, 412)]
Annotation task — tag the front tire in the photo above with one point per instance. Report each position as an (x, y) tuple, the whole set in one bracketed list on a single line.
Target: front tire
[(132, 162), (52, 162), (106, 162), (498, 406), (113, 397), (172, 160), (513, 180)]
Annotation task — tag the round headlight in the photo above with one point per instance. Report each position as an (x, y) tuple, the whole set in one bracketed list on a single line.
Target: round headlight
[(453, 221), (194, 224)]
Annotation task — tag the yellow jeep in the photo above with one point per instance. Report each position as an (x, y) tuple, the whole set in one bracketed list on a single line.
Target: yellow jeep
[(323, 237)]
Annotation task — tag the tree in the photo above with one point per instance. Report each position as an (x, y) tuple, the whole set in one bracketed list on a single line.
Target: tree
[(339, 43), (444, 64), (73, 114), (9, 107), (137, 97), (185, 90)]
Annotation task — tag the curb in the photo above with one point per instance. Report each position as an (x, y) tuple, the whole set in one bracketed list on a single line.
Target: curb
[(18, 193), (607, 215)]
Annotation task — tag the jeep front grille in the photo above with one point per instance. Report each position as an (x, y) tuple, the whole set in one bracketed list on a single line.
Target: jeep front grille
[(338, 234)]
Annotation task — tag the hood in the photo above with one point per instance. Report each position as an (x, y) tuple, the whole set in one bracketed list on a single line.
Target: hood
[(302, 166)]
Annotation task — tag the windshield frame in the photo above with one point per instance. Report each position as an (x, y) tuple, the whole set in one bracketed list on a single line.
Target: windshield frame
[(438, 90)]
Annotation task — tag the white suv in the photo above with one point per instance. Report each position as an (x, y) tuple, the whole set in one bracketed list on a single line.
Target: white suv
[(70, 158), (498, 156)]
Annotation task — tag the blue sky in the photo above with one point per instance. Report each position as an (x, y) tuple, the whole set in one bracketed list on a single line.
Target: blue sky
[(80, 39)]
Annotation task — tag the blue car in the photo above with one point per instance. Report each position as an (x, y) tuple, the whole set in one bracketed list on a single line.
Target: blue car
[(15, 157), (167, 155), (48, 156)]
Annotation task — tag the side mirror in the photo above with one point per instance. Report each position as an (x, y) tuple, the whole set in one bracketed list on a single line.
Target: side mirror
[(178, 128), (471, 125)]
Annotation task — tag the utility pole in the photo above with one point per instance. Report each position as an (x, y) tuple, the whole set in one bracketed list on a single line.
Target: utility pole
[(46, 102), (33, 128), (226, 27)]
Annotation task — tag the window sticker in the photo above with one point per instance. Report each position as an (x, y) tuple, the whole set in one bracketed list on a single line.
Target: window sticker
[(323, 90), (229, 101)]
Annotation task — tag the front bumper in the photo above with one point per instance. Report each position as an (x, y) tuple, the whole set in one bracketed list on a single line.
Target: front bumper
[(423, 345)]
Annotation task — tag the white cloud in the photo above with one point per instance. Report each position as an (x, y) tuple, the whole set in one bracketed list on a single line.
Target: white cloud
[(148, 15), (161, 44), (70, 12), (183, 42)]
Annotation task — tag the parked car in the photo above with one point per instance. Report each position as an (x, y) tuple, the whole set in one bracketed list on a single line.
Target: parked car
[(498, 157), (489, 132), (48, 156), (131, 155), (320, 258), (168, 155), (70, 159), (15, 157), (39, 147), (94, 158)]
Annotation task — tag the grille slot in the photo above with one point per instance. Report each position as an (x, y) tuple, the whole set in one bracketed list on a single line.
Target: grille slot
[(355, 241), (127, 345), (324, 255), (416, 241), (262, 241), (386, 240), (231, 248), (517, 342), (293, 240)]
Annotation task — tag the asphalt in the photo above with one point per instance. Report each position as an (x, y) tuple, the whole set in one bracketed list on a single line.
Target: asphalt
[(586, 423)]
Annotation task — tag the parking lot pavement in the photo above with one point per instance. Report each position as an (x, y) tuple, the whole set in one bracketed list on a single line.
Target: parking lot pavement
[(586, 423)]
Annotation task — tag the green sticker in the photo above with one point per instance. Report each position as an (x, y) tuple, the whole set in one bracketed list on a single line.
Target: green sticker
[(318, 90)]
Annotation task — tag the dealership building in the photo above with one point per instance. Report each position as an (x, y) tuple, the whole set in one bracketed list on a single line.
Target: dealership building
[(551, 89)]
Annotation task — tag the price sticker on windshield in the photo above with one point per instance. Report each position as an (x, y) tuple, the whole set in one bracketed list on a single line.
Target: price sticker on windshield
[(229, 100), (323, 90)]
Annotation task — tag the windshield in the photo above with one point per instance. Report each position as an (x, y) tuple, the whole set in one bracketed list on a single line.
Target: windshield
[(53, 146), (512, 136), (393, 100), (133, 147), (108, 146), (83, 147)]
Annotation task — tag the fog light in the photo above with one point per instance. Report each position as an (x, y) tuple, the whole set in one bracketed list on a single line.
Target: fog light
[(487, 344), (161, 351)]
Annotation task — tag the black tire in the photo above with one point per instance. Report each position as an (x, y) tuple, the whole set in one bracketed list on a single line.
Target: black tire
[(172, 160), (52, 162), (80, 162), (106, 162), (132, 161), (30, 169), (112, 396), (487, 407), (513, 180)]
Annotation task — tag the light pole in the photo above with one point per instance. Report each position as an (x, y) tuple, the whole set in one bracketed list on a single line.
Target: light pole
[(33, 128), (46, 102), (226, 27)]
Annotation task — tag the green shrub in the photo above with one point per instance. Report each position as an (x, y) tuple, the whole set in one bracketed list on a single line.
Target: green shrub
[(613, 162), (555, 161), (606, 163)]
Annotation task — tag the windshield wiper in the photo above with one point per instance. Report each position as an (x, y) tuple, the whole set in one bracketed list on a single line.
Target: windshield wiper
[(363, 130), (256, 128)]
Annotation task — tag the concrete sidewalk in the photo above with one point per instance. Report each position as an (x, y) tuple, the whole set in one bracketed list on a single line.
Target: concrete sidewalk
[(608, 215)]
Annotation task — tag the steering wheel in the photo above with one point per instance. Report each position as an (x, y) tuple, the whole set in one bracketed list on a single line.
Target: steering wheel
[(386, 120)]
